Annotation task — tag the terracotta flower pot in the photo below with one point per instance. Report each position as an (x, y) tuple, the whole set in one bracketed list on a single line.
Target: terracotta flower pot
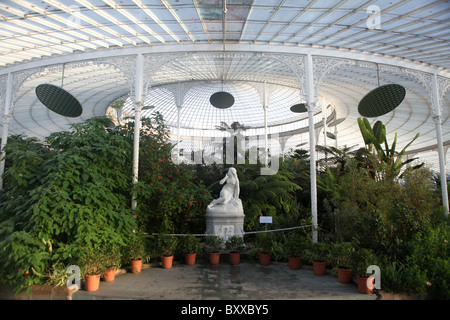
[(264, 259), (91, 282), (235, 257), (344, 275), (136, 266), (166, 262), (365, 285), (319, 268), (189, 258), (294, 263), (214, 258), (110, 274)]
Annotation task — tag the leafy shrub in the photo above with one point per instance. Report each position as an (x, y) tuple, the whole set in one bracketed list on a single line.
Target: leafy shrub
[(235, 244), (189, 244), (341, 254), (430, 262), (170, 197), (295, 244), (361, 259), (23, 258), (214, 243)]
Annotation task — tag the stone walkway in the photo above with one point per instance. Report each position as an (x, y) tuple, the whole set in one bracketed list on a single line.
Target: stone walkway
[(202, 281)]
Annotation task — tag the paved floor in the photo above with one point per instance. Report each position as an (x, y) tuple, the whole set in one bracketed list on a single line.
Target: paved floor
[(202, 281)]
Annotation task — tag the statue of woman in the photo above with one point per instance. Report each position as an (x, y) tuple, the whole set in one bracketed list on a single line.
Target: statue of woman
[(229, 191)]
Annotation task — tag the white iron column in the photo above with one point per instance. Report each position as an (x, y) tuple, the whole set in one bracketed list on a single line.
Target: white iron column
[(324, 121), (437, 121), (310, 105), (179, 106), (178, 134), (6, 119), (266, 153), (138, 103)]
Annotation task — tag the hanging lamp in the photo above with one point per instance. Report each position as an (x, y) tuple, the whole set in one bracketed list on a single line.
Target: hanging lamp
[(381, 100), (59, 100), (222, 99), (299, 108)]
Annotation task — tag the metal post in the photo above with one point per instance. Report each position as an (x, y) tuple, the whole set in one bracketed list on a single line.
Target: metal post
[(437, 121), (266, 153), (6, 119), (179, 101), (139, 87), (311, 103), (178, 134)]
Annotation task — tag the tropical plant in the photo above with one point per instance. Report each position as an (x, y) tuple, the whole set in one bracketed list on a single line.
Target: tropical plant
[(338, 157), (189, 244), (361, 259), (113, 256), (235, 244), (295, 245), (167, 244), (341, 254), (74, 198), (214, 243), (23, 253), (26, 166), (91, 262), (170, 197), (264, 242), (271, 195), (135, 248), (319, 252), (429, 261), (374, 138)]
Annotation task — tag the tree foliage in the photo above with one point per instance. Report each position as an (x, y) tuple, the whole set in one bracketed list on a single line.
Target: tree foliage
[(69, 196)]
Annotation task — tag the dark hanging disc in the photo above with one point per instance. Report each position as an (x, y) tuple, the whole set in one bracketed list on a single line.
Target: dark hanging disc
[(335, 122), (298, 108), (331, 135), (222, 100), (381, 100), (58, 100)]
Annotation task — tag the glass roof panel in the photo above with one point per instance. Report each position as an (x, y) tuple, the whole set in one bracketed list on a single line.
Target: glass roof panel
[(47, 33)]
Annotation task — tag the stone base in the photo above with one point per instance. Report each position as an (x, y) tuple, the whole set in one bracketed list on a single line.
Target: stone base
[(225, 225)]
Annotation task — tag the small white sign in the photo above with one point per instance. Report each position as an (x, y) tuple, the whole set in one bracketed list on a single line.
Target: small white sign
[(264, 219)]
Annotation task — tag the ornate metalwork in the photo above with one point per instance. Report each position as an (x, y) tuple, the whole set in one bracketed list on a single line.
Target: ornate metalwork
[(125, 64)]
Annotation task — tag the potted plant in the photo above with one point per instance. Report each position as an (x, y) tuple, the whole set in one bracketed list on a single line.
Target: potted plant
[(91, 264), (190, 245), (167, 245), (341, 253), (294, 248), (112, 262), (235, 245), (136, 251), (264, 246), (361, 259), (319, 254), (214, 243)]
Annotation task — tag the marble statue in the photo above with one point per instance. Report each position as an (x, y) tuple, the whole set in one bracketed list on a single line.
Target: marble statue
[(229, 195), (225, 215)]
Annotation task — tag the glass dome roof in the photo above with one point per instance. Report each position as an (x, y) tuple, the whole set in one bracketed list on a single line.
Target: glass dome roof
[(198, 113), (89, 48)]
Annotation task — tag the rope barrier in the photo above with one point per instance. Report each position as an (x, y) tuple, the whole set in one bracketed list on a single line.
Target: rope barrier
[(236, 234)]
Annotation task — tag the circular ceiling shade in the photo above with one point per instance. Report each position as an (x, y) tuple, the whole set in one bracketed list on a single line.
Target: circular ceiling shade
[(299, 108), (335, 122), (58, 100), (222, 100), (381, 100), (331, 135)]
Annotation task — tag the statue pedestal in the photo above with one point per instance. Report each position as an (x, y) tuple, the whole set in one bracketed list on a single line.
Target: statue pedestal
[(225, 220)]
